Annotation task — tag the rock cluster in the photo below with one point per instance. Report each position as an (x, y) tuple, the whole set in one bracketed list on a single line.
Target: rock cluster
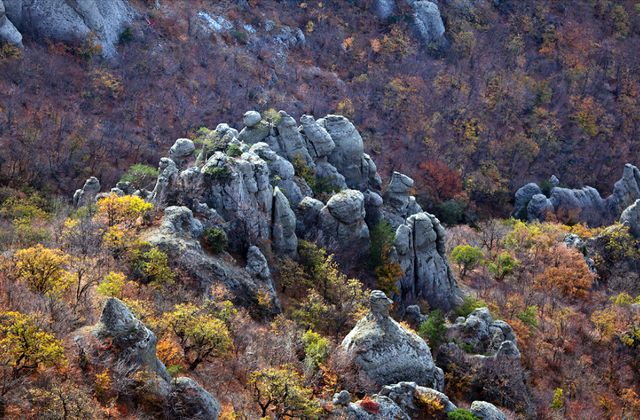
[(404, 400), (583, 205), (481, 334), (631, 217), (384, 353), (133, 351), (426, 18), (256, 184), (87, 194), (66, 20)]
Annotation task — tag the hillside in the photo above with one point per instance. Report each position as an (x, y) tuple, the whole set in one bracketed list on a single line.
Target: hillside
[(430, 210)]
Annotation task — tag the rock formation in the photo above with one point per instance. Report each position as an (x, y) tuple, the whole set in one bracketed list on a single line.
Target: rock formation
[(87, 194), (66, 20), (481, 334), (419, 248), (631, 217), (384, 353), (583, 205), (342, 219), (133, 362)]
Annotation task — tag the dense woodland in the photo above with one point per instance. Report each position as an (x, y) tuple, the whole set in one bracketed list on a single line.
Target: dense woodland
[(524, 90)]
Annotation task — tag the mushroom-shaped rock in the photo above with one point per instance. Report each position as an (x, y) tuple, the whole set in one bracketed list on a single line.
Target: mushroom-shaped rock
[(181, 150), (384, 353), (486, 411), (188, 400), (342, 220), (87, 194)]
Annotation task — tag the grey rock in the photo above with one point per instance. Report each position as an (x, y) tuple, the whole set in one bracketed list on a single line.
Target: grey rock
[(419, 248), (181, 150), (523, 196), (398, 201), (387, 409), (251, 118), (255, 134), (408, 395), (484, 335), (319, 142), (329, 174), (179, 220), (428, 22), (580, 205), (342, 221), (414, 316), (385, 353), (188, 400), (72, 21), (87, 194), (281, 172), (283, 229), (307, 216), (384, 8), (133, 341), (348, 155), (539, 208), (626, 190), (554, 181), (291, 143), (342, 398), (167, 172), (8, 32), (486, 411), (631, 217), (373, 208)]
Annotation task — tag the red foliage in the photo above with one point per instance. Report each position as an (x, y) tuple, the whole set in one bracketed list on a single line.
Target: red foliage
[(369, 405)]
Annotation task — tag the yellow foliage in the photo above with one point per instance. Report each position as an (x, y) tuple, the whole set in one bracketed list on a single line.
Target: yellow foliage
[(43, 270), (125, 210), (103, 383)]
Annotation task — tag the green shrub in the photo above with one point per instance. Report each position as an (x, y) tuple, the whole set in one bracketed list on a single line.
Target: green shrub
[(503, 266), (234, 150), (529, 316), (151, 266), (434, 329), (218, 173), (470, 304), (316, 349), (467, 257), (126, 36), (215, 239), (272, 116), (451, 212), (461, 414), (140, 176), (382, 237)]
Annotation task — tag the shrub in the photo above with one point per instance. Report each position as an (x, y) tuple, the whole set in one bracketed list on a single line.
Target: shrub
[(112, 285), (216, 240), (467, 257), (461, 414), (451, 212), (469, 304), (316, 349), (234, 150), (433, 329), (382, 236), (557, 402), (369, 405), (220, 174), (529, 316), (43, 270), (151, 266), (282, 391), (272, 116), (140, 176), (123, 210), (503, 266), (126, 36)]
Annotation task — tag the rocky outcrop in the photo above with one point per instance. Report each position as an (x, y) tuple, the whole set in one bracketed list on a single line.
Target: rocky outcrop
[(131, 358), (481, 334), (631, 217), (428, 22), (8, 32), (484, 351), (486, 411), (399, 203), (178, 235), (419, 248), (342, 220), (384, 353), (87, 194), (584, 205), (407, 395), (69, 20), (181, 151)]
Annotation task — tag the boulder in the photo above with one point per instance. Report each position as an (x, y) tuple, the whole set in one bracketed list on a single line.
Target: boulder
[(384, 8), (319, 142), (419, 248), (188, 400), (342, 220), (398, 201), (181, 151), (408, 396), (524, 195), (87, 194), (579, 205), (8, 32), (383, 352), (539, 208), (291, 145), (428, 22), (251, 118), (631, 217), (283, 228), (486, 411), (377, 407), (72, 21)]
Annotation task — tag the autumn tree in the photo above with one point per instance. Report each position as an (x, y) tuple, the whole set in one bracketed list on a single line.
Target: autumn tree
[(43, 270), (126, 210), (281, 391), (201, 335), (467, 257)]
